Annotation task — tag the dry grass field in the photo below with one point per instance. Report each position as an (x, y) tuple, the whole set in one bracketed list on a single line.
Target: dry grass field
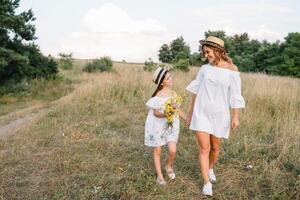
[(90, 145)]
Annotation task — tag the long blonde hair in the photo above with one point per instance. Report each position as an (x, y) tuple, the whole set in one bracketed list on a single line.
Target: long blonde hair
[(219, 54)]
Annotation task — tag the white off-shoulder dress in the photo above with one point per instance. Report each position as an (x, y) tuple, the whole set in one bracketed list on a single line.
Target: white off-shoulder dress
[(156, 131), (217, 90)]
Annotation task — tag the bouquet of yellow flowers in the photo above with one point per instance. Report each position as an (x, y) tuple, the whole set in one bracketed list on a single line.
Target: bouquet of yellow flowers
[(171, 109)]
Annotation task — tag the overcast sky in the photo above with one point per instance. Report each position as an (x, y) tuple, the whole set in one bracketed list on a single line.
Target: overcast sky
[(134, 30)]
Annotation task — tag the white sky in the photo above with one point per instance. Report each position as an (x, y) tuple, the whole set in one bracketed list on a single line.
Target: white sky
[(134, 30)]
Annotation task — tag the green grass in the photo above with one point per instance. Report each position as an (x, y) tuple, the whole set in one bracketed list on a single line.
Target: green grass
[(91, 145), (36, 92), (40, 92)]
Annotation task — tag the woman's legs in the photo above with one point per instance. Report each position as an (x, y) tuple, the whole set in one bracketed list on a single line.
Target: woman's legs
[(214, 150), (203, 139), (157, 163), (171, 154)]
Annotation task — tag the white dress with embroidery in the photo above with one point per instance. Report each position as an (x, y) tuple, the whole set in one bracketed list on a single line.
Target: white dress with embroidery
[(156, 131), (217, 90)]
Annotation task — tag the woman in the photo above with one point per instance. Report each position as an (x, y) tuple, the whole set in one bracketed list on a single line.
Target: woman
[(216, 89)]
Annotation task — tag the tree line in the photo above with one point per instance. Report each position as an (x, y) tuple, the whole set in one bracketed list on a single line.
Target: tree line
[(21, 59), (250, 55)]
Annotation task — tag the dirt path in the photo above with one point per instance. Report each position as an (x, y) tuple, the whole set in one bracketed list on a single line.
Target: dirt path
[(17, 124), (13, 122)]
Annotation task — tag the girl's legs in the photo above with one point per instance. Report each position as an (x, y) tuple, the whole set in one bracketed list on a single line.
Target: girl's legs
[(157, 163), (204, 149), (214, 150), (171, 155)]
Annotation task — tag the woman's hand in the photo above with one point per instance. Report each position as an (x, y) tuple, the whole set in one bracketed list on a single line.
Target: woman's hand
[(189, 119), (235, 122)]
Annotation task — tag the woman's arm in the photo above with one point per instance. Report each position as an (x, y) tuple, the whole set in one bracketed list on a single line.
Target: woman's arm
[(235, 118), (192, 108), (158, 114)]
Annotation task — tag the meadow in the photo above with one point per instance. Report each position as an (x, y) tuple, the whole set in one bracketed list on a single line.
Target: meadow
[(90, 145)]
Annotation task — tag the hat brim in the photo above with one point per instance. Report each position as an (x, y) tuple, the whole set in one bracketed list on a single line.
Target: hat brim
[(210, 43)]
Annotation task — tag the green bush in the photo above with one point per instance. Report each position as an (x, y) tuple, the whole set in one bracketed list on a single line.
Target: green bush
[(182, 64), (65, 61), (99, 65), (195, 59), (14, 87), (149, 65), (24, 87)]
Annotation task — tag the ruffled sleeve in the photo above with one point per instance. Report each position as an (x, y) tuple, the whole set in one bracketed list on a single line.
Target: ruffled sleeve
[(194, 86), (153, 103), (235, 97)]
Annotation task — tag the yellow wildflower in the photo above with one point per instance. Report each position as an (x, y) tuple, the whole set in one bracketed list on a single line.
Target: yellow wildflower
[(171, 109)]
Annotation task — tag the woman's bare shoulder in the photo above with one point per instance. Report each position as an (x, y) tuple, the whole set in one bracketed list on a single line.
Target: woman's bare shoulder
[(234, 68), (229, 66)]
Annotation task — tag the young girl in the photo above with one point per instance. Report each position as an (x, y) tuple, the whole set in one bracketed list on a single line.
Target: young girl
[(157, 134), (216, 89)]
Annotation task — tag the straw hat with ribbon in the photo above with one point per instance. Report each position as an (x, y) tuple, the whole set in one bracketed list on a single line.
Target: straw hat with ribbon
[(158, 74), (214, 42)]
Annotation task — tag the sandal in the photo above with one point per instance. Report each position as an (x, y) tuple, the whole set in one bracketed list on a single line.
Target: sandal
[(160, 181)]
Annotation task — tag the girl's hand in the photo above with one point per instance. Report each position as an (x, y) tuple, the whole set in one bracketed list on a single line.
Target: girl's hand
[(185, 118), (187, 122), (235, 122), (175, 106)]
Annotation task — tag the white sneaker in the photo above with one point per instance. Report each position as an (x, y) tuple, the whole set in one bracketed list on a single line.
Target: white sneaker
[(211, 175), (207, 189)]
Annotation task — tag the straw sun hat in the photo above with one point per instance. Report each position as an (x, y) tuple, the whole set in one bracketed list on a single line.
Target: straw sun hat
[(214, 42)]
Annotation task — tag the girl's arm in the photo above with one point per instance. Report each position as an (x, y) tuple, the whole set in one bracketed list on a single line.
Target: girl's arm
[(158, 114), (183, 116)]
